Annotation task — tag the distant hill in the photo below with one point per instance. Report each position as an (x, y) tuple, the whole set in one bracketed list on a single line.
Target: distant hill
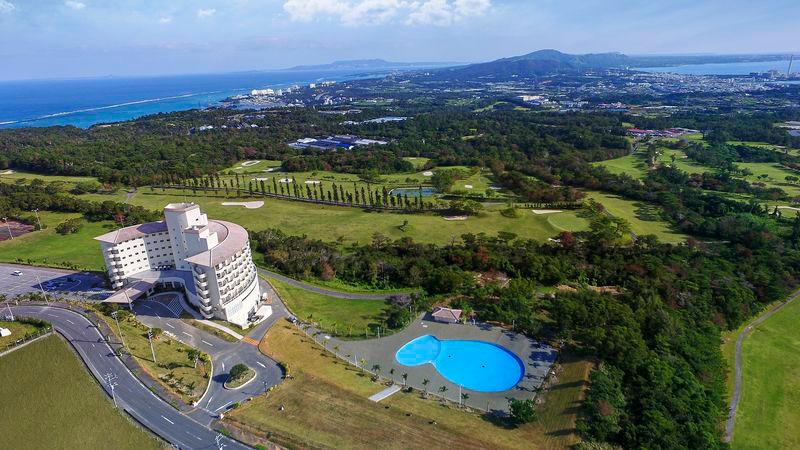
[(542, 62), (369, 64), (548, 62)]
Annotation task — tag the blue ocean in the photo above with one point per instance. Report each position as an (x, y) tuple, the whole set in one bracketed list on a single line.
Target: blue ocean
[(744, 68), (85, 102)]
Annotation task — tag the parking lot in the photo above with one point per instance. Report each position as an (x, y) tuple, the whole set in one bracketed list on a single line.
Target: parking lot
[(56, 282)]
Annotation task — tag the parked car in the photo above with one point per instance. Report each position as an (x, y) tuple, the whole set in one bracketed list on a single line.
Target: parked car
[(17, 273)]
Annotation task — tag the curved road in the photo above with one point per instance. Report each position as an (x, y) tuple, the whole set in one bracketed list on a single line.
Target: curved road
[(131, 395), (320, 290), (737, 386)]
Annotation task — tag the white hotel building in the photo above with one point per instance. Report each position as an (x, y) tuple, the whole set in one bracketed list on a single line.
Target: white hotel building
[(209, 259)]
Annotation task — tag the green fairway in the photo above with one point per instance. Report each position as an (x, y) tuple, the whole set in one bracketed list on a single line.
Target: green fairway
[(49, 248), (337, 316), (348, 225), (769, 410), (18, 330), (642, 217), (49, 400), (14, 176)]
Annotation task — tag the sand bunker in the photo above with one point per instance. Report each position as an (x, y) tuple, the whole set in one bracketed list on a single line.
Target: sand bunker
[(427, 173), (454, 217), (286, 180), (248, 205), (250, 163), (270, 169), (467, 186), (312, 181), (260, 179), (7, 172), (546, 211)]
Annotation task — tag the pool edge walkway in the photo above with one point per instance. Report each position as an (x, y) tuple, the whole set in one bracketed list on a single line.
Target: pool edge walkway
[(386, 393)]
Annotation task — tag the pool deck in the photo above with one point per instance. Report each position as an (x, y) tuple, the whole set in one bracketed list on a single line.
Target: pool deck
[(537, 359)]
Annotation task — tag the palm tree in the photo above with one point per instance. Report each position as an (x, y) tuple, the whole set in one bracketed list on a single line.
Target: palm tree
[(376, 368), (464, 397), (442, 390), (425, 385), (405, 378), (362, 361)]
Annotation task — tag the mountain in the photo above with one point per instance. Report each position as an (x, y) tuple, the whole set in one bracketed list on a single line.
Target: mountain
[(542, 62), (368, 64), (548, 62)]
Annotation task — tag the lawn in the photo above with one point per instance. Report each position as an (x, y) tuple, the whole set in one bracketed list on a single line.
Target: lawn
[(48, 248), (18, 329), (326, 406), (50, 401), (27, 176), (335, 315), (642, 217), (769, 410), (348, 225), (173, 369)]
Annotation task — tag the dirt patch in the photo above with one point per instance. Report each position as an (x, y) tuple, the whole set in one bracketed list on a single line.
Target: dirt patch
[(15, 228)]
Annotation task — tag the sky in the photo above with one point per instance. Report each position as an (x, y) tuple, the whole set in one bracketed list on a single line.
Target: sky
[(86, 38)]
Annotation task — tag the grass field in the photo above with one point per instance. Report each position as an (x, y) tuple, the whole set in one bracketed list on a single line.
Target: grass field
[(174, 370), (48, 248), (769, 411), (642, 217), (18, 330), (326, 406), (351, 317), (348, 225), (50, 401), (27, 176)]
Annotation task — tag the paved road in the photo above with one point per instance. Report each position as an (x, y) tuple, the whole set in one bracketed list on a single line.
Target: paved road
[(737, 386), (180, 430), (224, 354), (321, 290)]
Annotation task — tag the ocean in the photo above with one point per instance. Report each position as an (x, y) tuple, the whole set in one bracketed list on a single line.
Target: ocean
[(85, 102), (744, 68)]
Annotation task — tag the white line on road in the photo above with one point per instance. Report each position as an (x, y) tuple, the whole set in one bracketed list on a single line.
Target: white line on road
[(168, 420), (186, 333), (70, 321), (190, 434), (165, 323), (223, 366), (208, 403), (261, 364), (145, 306), (221, 407), (207, 343)]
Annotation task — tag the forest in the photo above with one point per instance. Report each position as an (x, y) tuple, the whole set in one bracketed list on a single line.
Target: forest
[(654, 334)]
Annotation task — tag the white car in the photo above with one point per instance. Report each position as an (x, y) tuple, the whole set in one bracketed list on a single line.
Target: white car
[(17, 273)]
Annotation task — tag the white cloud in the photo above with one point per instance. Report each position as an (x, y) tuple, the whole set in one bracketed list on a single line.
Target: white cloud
[(6, 7), (370, 12), (77, 6), (203, 13), (165, 20)]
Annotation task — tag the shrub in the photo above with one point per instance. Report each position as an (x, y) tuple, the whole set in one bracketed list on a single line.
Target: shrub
[(238, 371)]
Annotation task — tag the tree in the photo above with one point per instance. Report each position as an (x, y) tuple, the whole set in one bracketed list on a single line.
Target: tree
[(522, 411), (425, 385), (237, 371), (404, 376), (465, 206)]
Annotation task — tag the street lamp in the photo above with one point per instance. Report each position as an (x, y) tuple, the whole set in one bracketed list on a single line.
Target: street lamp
[(36, 211), (11, 235), (42, 289), (150, 338), (121, 337)]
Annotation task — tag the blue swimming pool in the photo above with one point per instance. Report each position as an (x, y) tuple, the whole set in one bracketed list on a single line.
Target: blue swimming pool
[(476, 365)]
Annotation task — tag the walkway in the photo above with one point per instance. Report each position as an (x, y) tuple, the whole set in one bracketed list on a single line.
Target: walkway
[(737, 386), (391, 390)]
